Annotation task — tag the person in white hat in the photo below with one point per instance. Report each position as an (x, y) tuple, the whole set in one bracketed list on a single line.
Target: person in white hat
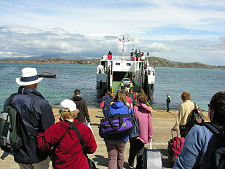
[(35, 116), (68, 154)]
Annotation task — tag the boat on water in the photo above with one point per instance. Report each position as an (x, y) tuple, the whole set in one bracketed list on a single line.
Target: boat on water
[(113, 69), (47, 75)]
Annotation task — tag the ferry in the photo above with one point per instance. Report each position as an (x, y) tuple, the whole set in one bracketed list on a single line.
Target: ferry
[(113, 69)]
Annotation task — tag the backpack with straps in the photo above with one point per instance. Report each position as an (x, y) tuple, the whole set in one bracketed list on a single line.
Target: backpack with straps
[(10, 139), (219, 153), (195, 117), (116, 126)]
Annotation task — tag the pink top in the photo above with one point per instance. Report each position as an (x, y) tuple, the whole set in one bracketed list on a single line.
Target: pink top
[(143, 114), (129, 101)]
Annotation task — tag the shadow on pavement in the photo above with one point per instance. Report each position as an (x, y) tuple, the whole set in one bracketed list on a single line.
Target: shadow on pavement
[(100, 161), (95, 124)]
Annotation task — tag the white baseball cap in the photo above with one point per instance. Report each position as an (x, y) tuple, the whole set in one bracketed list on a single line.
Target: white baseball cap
[(69, 104)]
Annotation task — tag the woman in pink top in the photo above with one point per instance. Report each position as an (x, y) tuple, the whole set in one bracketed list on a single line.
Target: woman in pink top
[(143, 114)]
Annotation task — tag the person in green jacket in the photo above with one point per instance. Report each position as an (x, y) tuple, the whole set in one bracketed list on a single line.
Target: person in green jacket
[(122, 85), (168, 99)]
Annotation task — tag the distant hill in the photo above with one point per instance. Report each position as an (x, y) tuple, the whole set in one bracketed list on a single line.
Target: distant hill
[(52, 60), (160, 62), (154, 61)]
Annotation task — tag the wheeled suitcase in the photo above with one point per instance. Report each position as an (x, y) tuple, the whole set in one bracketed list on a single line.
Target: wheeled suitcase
[(152, 158)]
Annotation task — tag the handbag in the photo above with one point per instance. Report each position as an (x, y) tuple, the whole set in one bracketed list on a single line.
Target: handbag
[(135, 131), (90, 162), (102, 104), (116, 126)]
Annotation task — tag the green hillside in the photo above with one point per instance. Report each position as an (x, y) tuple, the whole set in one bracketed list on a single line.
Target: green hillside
[(154, 61), (160, 62)]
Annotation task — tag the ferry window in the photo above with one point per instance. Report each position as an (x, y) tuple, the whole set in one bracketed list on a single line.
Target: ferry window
[(117, 63), (128, 64)]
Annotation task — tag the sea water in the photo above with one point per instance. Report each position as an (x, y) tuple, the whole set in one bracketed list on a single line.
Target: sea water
[(201, 83)]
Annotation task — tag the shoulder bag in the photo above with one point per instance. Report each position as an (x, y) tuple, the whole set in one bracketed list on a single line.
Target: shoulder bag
[(135, 131), (90, 162), (116, 126)]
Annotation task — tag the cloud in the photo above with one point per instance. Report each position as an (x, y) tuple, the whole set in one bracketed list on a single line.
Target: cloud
[(130, 16), (155, 46), (32, 42), (24, 41), (178, 30)]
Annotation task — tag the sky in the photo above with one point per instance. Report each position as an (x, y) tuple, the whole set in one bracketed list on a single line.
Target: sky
[(177, 30)]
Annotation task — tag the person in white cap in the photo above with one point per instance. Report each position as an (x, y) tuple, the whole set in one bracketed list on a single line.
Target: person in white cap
[(68, 152), (35, 116)]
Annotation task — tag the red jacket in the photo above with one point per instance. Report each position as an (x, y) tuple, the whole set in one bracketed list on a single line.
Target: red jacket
[(69, 154)]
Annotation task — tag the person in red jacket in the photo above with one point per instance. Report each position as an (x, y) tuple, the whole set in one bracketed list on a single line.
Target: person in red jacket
[(69, 153)]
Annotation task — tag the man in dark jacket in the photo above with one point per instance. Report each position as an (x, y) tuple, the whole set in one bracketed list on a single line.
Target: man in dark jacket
[(83, 115), (35, 116)]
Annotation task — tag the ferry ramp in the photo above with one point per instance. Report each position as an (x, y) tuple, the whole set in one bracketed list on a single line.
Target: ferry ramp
[(115, 85)]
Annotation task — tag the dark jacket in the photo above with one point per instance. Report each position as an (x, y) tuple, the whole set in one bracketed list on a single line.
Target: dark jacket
[(69, 153), (83, 110), (107, 103), (36, 116)]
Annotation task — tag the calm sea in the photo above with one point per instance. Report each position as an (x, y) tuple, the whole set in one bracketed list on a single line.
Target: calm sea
[(201, 83)]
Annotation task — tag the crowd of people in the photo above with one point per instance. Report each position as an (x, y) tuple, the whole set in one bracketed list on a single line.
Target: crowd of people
[(41, 135)]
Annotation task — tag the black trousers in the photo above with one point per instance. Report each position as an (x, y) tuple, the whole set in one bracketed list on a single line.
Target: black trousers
[(136, 149), (168, 106)]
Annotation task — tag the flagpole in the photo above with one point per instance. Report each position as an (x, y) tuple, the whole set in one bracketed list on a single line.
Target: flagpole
[(123, 45)]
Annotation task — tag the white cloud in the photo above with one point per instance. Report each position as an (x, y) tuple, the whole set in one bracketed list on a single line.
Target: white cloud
[(155, 46), (178, 30), (38, 42)]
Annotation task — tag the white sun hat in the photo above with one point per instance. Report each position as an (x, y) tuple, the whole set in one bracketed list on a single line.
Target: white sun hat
[(29, 76), (68, 104)]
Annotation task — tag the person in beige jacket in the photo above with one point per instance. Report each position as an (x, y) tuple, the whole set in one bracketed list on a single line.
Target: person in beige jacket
[(185, 108)]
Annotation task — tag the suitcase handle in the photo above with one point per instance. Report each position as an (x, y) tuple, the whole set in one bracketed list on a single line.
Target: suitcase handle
[(150, 145), (172, 132)]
